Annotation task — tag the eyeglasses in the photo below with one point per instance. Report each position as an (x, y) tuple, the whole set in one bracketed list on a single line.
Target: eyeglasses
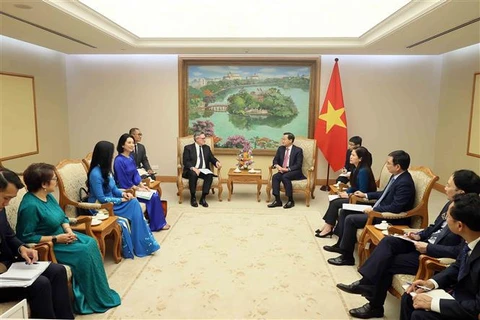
[(54, 179)]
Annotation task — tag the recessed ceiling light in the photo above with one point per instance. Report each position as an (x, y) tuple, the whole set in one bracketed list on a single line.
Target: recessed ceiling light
[(22, 6)]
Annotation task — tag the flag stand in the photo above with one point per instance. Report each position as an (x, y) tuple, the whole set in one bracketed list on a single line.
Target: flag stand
[(326, 187)]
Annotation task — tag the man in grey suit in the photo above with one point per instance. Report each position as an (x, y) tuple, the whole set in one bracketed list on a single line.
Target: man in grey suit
[(140, 154)]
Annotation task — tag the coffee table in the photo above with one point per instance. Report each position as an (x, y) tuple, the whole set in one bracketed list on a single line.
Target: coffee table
[(244, 177)]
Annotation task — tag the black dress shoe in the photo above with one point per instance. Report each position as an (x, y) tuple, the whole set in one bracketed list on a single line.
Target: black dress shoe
[(341, 261), (334, 248), (275, 203), (329, 234), (194, 203), (204, 203), (356, 288), (289, 204), (366, 312)]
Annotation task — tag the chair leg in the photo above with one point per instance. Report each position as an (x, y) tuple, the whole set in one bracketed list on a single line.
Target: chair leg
[(220, 190)]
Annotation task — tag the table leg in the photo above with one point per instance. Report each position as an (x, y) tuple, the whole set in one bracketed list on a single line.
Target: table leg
[(259, 187), (230, 188)]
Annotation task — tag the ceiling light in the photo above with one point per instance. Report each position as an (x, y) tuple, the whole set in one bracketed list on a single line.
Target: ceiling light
[(247, 18)]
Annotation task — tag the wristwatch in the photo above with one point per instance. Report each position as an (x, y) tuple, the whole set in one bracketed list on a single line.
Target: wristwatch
[(54, 239)]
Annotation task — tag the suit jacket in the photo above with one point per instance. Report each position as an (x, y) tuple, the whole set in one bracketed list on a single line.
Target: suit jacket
[(447, 244), (400, 196), (190, 157), (9, 243), (467, 289), (140, 157), (295, 160)]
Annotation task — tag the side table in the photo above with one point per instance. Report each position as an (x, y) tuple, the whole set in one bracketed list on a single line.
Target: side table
[(370, 240), (244, 177)]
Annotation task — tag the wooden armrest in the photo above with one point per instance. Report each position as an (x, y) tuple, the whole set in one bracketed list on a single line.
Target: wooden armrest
[(86, 220), (395, 230), (357, 200), (45, 251), (393, 216), (429, 265)]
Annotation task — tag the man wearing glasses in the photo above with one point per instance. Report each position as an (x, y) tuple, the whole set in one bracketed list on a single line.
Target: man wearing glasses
[(198, 156), (140, 154)]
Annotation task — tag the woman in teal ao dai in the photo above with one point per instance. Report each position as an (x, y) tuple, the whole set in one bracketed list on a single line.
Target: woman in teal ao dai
[(138, 237), (41, 219), (126, 176)]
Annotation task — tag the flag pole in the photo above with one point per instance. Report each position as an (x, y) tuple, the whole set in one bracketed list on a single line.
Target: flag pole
[(326, 187)]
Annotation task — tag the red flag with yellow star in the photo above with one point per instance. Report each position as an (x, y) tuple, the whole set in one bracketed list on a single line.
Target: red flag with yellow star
[(331, 128)]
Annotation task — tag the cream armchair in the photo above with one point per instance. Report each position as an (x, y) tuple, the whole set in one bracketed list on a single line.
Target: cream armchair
[(424, 180), (72, 175), (305, 186), (182, 183), (45, 249)]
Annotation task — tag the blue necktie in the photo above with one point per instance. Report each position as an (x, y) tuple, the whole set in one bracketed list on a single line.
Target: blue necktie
[(463, 262), (392, 179)]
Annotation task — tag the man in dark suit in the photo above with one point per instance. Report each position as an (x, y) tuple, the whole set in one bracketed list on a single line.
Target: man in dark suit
[(394, 255), (463, 276), (288, 161), (140, 153), (48, 296), (198, 156), (398, 196)]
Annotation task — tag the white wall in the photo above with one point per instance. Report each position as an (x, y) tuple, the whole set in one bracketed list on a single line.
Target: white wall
[(391, 102), (385, 96), (48, 69), (454, 112), (109, 94)]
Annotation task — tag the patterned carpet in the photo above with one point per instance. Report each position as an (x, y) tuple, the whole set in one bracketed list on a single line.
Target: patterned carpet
[(230, 263)]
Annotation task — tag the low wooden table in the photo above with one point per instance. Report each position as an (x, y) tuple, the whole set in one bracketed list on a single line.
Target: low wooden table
[(244, 177), (370, 241)]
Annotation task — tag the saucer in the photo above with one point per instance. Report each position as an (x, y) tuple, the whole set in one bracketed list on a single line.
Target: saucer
[(95, 222), (101, 216), (381, 227)]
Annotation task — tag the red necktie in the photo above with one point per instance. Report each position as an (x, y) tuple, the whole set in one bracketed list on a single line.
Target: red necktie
[(286, 159)]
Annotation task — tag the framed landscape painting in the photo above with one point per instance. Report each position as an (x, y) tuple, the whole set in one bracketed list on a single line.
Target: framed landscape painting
[(248, 102)]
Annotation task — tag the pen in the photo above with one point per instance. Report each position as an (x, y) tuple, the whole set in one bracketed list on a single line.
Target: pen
[(420, 287), (31, 263)]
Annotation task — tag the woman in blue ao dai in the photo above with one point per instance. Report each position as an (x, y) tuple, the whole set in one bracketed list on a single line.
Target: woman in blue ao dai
[(102, 188), (127, 177)]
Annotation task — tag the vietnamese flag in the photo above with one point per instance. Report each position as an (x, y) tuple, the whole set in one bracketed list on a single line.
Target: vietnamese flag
[(331, 128)]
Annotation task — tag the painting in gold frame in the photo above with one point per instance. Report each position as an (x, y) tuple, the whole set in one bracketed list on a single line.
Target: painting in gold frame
[(248, 102)]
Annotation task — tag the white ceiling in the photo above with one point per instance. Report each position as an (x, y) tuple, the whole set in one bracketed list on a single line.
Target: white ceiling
[(70, 27)]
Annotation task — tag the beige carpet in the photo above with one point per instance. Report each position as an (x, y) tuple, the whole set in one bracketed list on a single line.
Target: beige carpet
[(232, 263), (239, 260)]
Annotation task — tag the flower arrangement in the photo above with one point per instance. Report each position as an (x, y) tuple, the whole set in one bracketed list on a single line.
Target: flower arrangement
[(245, 159)]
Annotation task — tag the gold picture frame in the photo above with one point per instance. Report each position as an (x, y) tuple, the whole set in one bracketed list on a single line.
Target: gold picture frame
[(18, 116), (248, 101), (473, 145)]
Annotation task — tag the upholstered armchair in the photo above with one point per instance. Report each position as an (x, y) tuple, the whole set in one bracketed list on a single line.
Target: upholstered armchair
[(428, 266), (44, 249), (72, 175), (305, 186), (424, 180), (182, 183)]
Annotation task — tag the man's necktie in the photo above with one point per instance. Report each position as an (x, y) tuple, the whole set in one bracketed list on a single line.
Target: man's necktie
[(390, 182), (201, 158), (286, 158), (463, 262)]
